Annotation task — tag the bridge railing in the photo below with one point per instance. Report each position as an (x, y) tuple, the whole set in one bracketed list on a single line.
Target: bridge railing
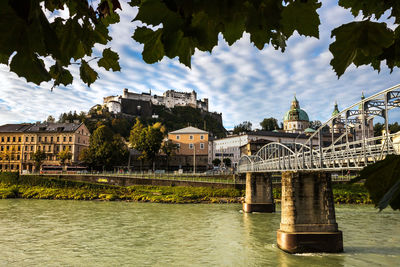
[(351, 146)]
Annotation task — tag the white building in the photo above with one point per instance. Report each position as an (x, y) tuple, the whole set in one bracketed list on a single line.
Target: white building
[(169, 99), (229, 147)]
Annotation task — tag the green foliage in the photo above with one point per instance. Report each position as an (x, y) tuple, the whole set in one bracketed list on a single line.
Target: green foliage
[(109, 60), (147, 140), (379, 127), (227, 162), (242, 127), (38, 157), (216, 162), (39, 187), (176, 28), (64, 156), (28, 32), (106, 149), (269, 124), (363, 41), (381, 179)]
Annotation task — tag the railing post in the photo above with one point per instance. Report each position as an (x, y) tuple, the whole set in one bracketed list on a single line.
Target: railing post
[(387, 96)]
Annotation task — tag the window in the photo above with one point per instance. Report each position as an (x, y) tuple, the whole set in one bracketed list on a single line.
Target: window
[(31, 148), (26, 139), (19, 139), (190, 146), (40, 139), (69, 148), (51, 139), (63, 147), (191, 137), (32, 139), (79, 139), (70, 138), (201, 137), (13, 138), (201, 145), (17, 157), (45, 138), (58, 139), (19, 148), (178, 146), (178, 137), (49, 149), (65, 139), (8, 139), (26, 148)]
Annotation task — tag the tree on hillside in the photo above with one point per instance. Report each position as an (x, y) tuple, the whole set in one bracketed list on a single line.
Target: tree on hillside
[(242, 127), (106, 150), (176, 28), (269, 124), (38, 157)]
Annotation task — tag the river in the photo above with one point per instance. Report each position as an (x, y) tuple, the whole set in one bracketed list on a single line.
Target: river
[(83, 233)]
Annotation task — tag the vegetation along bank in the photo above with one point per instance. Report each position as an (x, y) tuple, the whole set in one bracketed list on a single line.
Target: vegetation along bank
[(14, 186)]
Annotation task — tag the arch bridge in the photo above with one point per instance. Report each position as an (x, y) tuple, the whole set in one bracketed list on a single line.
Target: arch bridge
[(343, 142)]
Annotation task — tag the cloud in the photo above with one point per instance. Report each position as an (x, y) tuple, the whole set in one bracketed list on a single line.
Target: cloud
[(242, 82)]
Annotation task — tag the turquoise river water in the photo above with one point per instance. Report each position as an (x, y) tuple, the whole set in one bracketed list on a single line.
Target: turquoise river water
[(80, 233)]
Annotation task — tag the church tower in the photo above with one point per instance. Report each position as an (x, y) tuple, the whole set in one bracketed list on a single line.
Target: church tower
[(295, 120)]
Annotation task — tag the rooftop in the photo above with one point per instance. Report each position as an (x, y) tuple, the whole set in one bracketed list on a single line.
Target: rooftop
[(189, 130), (39, 127)]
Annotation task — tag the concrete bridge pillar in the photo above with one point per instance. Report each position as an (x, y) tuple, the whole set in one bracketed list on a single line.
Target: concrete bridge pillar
[(259, 196), (308, 222)]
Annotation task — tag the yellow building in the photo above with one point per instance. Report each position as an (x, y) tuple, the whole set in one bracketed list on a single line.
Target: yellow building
[(19, 141)]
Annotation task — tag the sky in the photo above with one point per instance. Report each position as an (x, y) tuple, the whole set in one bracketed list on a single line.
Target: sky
[(240, 81)]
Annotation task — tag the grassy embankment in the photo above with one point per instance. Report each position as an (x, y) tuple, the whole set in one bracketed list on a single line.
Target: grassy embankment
[(13, 186)]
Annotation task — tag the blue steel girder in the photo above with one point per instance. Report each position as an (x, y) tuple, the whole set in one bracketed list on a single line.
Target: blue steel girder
[(367, 112)]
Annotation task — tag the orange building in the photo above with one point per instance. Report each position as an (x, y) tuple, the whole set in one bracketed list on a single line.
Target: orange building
[(192, 148)]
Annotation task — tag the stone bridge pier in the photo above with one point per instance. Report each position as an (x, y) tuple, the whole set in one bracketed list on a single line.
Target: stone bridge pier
[(259, 197), (308, 222)]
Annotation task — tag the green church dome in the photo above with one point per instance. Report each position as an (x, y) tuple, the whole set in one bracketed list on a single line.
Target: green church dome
[(295, 113)]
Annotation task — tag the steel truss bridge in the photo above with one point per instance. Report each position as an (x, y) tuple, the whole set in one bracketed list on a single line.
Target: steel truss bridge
[(344, 151)]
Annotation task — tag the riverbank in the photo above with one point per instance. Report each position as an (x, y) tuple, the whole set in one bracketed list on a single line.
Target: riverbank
[(36, 187)]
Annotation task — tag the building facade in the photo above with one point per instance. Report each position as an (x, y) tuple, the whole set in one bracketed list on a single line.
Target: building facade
[(192, 149), (19, 141), (234, 147), (169, 99)]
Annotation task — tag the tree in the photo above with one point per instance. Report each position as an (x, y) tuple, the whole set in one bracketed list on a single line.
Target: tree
[(38, 157), (50, 119), (227, 162), (64, 156), (106, 149), (176, 28), (216, 162), (242, 127), (168, 148), (269, 124), (147, 140), (6, 155), (315, 124)]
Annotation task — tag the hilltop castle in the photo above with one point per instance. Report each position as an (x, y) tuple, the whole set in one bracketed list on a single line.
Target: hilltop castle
[(140, 104)]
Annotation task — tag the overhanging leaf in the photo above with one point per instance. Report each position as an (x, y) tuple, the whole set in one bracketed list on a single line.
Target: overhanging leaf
[(109, 60), (29, 66), (153, 50), (88, 75), (358, 43)]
